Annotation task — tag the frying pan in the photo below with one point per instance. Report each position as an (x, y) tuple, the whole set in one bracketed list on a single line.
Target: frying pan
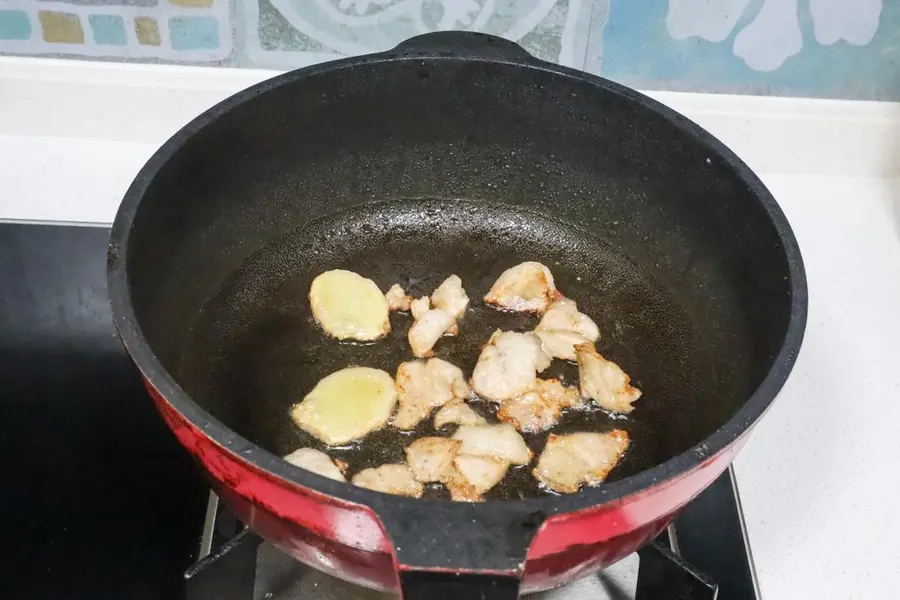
[(453, 153)]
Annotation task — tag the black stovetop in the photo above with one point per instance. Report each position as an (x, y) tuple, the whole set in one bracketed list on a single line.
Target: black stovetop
[(100, 500)]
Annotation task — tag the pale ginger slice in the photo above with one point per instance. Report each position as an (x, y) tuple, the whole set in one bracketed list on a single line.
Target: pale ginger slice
[(348, 306), (347, 405)]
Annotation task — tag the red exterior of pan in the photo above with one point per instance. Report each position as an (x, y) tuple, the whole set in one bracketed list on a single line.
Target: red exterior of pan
[(349, 540)]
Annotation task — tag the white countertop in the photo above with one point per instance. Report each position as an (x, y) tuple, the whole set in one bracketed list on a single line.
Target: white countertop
[(820, 478)]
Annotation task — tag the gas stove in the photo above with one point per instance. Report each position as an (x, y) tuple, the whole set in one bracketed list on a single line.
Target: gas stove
[(107, 505), (703, 555)]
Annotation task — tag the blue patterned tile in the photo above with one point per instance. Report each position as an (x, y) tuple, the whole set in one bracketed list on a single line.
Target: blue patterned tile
[(194, 33), (108, 29), (14, 25)]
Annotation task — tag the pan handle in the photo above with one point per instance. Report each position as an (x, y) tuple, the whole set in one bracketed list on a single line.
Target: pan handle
[(464, 44), (444, 550)]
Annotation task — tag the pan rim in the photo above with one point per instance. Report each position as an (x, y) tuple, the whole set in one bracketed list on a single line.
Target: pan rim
[(588, 498)]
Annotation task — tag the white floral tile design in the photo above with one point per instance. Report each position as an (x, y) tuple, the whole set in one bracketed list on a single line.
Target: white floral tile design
[(293, 33), (825, 48)]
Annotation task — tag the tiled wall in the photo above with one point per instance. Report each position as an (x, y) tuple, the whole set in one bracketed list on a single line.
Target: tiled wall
[(828, 48)]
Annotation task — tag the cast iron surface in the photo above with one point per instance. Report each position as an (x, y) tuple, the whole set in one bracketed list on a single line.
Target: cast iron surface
[(362, 163), (101, 501)]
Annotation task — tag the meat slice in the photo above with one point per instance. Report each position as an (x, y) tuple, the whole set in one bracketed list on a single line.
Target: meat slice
[(538, 409), (552, 390), (420, 306), (431, 458), (451, 297), (436, 316), (508, 364), (316, 461), (475, 475), (397, 299), (604, 381), (568, 461), (428, 329), (563, 315), (563, 327), (467, 477), (424, 385), (390, 479), (500, 441), (458, 412), (559, 343), (526, 287)]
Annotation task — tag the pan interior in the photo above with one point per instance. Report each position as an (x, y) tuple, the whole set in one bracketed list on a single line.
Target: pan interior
[(254, 349)]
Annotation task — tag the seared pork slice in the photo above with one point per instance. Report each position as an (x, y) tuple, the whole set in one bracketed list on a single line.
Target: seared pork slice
[(604, 381), (467, 477), (563, 315), (526, 287), (559, 343), (420, 306), (572, 460), (539, 408), (508, 364), (425, 385), (500, 441), (451, 297), (427, 329), (475, 475), (316, 461), (458, 412), (390, 479), (431, 458), (397, 299)]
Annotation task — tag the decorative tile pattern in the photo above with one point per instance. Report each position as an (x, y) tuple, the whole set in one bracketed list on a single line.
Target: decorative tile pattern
[(294, 33), (146, 29), (829, 48), (14, 25), (61, 27), (108, 29), (194, 33), (826, 48), (185, 31)]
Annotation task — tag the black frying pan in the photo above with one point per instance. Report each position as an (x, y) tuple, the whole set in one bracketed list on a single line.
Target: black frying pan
[(467, 161)]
